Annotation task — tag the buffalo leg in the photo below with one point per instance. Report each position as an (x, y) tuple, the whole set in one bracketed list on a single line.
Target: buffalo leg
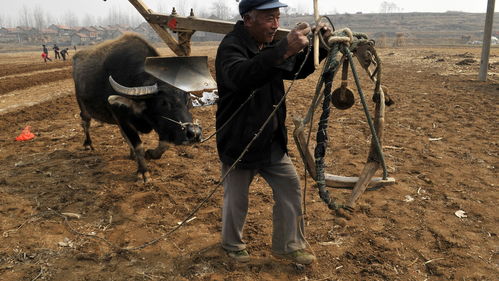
[(85, 124), (135, 143), (158, 151)]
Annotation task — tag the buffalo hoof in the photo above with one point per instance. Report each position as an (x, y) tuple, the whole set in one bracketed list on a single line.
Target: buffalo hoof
[(152, 154), (143, 177), (88, 147)]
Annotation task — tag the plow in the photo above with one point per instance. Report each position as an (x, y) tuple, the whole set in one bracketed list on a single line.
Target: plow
[(191, 74)]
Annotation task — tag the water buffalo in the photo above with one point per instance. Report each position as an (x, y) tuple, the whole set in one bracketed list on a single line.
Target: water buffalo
[(111, 86)]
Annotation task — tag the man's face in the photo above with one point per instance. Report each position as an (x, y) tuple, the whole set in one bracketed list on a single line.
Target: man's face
[(263, 24)]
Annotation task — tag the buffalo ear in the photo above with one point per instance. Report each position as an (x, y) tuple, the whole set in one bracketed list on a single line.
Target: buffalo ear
[(137, 107)]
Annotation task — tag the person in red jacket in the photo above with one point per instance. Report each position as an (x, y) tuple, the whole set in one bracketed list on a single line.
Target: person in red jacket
[(45, 54)]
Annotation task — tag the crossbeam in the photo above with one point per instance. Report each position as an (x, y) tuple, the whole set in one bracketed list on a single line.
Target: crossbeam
[(185, 27)]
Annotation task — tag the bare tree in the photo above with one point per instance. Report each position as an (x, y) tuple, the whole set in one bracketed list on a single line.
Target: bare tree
[(88, 20), (39, 18), (24, 16), (221, 10), (51, 19), (389, 7), (301, 9), (162, 9), (182, 7), (70, 19), (287, 12)]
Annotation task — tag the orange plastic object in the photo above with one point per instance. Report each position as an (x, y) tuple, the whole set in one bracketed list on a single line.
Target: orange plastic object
[(25, 135)]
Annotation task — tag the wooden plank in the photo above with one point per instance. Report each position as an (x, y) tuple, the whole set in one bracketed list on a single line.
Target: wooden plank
[(301, 143), (332, 180), (142, 8), (373, 159), (341, 181), (201, 24)]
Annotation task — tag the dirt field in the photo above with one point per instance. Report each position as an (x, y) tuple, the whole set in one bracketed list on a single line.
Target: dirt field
[(441, 145)]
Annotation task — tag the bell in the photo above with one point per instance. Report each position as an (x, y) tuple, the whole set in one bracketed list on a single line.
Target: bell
[(342, 98)]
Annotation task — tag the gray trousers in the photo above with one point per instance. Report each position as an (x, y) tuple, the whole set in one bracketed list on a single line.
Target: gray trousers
[(287, 218)]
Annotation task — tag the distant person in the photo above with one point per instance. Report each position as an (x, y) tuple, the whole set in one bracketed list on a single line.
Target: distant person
[(56, 52), (64, 53), (74, 47), (45, 53)]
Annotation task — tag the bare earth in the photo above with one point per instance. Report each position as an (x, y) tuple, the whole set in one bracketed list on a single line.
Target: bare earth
[(441, 145)]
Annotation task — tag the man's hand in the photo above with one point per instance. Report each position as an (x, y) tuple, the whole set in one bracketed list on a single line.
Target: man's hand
[(325, 31), (297, 39)]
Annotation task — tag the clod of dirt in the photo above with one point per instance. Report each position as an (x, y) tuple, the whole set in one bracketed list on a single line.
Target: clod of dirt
[(466, 62), (430, 57), (465, 55), (341, 222)]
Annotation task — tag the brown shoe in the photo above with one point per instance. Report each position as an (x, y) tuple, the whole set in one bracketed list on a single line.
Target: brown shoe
[(298, 256), (239, 256)]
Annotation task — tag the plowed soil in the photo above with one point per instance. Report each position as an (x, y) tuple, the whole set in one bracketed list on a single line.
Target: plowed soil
[(65, 212)]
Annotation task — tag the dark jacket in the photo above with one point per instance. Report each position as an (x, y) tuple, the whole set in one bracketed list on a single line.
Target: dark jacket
[(242, 68)]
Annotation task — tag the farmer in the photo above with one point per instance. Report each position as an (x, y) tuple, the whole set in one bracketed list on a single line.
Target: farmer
[(45, 54), (56, 52), (248, 61), (64, 53)]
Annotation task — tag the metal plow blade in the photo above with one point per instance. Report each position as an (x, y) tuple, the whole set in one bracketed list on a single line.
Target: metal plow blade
[(190, 74)]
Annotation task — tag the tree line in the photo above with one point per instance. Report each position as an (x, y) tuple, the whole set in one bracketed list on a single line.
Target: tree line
[(36, 16)]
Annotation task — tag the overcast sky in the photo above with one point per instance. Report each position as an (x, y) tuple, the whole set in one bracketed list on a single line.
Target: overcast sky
[(10, 9)]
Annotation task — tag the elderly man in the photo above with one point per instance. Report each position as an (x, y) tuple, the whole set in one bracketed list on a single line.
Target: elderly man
[(248, 61)]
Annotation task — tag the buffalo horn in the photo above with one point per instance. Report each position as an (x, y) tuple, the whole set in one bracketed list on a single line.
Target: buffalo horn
[(135, 91)]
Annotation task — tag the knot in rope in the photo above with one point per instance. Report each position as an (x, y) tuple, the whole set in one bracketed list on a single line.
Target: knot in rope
[(344, 35)]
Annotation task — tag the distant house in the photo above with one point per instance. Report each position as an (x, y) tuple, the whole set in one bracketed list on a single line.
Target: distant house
[(99, 31), (89, 31), (80, 39), (28, 34), (47, 35), (62, 30), (108, 32), (118, 32), (63, 33), (10, 35)]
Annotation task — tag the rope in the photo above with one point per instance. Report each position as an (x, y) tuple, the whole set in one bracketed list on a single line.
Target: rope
[(230, 118), (331, 65), (340, 41)]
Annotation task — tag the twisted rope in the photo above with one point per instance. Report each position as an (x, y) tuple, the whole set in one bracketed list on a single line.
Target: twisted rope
[(341, 41)]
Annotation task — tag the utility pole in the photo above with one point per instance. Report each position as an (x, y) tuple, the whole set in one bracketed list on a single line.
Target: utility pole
[(487, 34)]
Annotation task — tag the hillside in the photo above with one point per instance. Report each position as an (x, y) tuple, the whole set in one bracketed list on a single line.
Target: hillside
[(417, 28)]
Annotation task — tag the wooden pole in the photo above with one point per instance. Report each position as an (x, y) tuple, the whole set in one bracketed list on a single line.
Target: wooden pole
[(487, 34), (316, 34), (373, 160)]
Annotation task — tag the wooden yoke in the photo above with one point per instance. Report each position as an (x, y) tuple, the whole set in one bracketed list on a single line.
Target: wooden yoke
[(185, 27), (181, 48)]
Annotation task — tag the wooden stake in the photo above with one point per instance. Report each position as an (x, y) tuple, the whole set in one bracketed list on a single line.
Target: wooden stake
[(316, 34)]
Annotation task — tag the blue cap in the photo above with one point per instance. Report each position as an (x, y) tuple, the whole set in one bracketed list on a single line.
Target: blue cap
[(248, 5)]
